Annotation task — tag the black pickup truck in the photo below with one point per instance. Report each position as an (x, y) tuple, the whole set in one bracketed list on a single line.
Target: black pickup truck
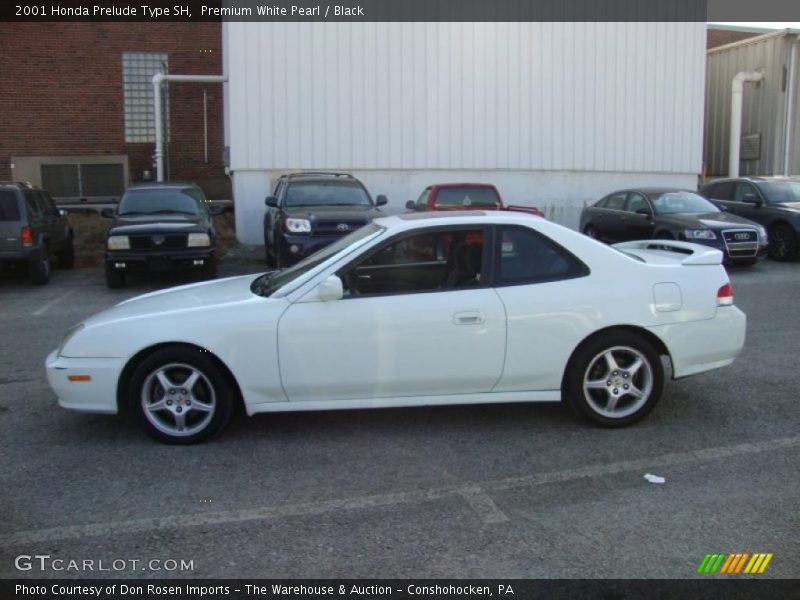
[(309, 210), (160, 227)]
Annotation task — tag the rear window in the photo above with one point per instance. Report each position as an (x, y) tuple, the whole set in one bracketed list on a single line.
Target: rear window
[(467, 196), (9, 207)]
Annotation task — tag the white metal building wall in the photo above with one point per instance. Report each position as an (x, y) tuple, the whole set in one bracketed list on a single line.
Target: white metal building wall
[(605, 98)]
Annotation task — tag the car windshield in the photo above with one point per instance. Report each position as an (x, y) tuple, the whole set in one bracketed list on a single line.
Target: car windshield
[(681, 202), (467, 196), (267, 284), (782, 191), (168, 200), (326, 193)]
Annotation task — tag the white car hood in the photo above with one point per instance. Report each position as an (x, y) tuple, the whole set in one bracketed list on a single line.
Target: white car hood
[(186, 297)]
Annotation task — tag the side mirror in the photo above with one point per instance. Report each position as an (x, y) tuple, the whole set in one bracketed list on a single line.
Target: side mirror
[(330, 289), (752, 199), (411, 205), (215, 209), (644, 211), (63, 212), (107, 213), (381, 200), (271, 201)]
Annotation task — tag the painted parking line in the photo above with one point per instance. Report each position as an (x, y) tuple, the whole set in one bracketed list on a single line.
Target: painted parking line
[(472, 493), (48, 305)]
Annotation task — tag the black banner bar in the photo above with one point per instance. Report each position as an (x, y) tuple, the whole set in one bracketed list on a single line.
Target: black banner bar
[(704, 587)]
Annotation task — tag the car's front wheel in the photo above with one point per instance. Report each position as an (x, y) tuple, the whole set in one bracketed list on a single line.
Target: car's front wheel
[(114, 279), (590, 231), (614, 380), (180, 395)]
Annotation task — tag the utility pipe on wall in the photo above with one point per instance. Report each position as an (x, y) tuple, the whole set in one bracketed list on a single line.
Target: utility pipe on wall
[(737, 91), (158, 79), (791, 83)]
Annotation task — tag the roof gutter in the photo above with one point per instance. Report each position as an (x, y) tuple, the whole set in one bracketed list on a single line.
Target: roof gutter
[(158, 79)]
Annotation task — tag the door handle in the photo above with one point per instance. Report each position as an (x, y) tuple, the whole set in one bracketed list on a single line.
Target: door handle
[(473, 317)]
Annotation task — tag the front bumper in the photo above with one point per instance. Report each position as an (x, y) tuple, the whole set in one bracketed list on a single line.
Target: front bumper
[(97, 395), (699, 346), (293, 248), (183, 260)]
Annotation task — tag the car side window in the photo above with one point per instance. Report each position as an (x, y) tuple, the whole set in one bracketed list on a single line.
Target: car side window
[(524, 256), (48, 206), (742, 189), (636, 202), (422, 201), (615, 201), (722, 191), (33, 207), (424, 262)]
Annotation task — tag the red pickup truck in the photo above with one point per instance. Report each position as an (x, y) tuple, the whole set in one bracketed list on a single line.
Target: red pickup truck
[(464, 196)]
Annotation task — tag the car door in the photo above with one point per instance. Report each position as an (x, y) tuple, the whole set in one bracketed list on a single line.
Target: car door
[(637, 226), (607, 217), (417, 319), (748, 210), (549, 308)]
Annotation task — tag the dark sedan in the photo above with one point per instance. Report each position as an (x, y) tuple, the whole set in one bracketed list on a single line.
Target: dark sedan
[(675, 214), (774, 202)]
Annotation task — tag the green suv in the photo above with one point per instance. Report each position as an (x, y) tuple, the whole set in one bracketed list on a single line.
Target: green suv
[(32, 230)]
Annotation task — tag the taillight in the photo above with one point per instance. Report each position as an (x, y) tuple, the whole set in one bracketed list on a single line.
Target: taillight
[(725, 295), (26, 236)]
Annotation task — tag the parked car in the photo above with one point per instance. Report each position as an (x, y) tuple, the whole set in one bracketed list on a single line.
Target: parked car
[(413, 310), (160, 227), (309, 210), (33, 230), (464, 196), (774, 202), (673, 214)]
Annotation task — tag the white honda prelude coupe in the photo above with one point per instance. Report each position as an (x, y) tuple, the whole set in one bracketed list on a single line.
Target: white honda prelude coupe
[(413, 310)]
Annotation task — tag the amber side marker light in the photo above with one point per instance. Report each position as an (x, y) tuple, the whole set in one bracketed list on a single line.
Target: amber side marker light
[(79, 377)]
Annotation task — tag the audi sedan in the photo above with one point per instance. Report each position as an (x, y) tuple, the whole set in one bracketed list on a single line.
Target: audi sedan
[(674, 214), (413, 310)]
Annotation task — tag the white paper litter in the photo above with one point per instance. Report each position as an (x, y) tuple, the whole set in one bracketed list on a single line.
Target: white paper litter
[(654, 478)]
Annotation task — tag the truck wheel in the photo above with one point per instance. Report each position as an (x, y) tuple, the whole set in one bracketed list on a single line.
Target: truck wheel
[(210, 270), (114, 279), (66, 258), (39, 269)]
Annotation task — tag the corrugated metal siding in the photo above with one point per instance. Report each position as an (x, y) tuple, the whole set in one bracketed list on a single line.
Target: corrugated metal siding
[(535, 96), (763, 104)]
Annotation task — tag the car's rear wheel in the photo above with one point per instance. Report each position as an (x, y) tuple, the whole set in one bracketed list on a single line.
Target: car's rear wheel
[(782, 243), (180, 395), (66, 257), (614, 380), (39, 269), (114, 279)]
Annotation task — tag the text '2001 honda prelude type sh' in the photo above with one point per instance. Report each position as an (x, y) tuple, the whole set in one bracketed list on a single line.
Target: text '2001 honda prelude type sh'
[(428, 309)]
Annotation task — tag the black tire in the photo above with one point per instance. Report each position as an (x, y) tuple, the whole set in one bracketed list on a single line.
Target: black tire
[(39, 269), (588, 364), (268, 255), (66, 257), (590, 231), (782, 243), (114, 279), (210, 270), (211, 390)]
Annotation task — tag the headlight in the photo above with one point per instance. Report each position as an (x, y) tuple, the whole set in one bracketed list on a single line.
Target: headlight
[(762, 234), (298, 225), (68, 336), (198, 240), (700, 234), (118, 242)]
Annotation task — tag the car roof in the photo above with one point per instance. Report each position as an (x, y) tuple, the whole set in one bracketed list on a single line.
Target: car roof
[(457, 185), (451, 217), (163, 184), (755, 179)]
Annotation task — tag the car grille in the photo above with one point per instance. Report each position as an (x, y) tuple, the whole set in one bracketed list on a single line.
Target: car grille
[(158, 242), (741, 243), (338, 227)]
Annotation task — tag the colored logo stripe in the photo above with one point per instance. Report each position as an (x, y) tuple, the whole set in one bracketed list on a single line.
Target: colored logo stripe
[(734, 563)]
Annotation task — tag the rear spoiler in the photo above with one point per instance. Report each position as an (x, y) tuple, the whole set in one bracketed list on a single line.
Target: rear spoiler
[(696, 254)]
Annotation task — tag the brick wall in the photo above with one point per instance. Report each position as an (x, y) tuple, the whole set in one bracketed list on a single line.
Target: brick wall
[(61, 93)]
